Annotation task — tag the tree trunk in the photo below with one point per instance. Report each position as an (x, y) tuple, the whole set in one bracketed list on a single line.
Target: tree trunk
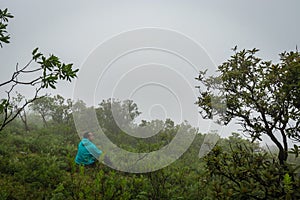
[(282, 156), (24, 120), (44, 121)]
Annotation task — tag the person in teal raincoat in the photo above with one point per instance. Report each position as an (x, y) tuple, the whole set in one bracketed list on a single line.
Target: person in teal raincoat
[(87, 153)]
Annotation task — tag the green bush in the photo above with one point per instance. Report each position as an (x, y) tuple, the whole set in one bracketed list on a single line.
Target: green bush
[(40, 165)]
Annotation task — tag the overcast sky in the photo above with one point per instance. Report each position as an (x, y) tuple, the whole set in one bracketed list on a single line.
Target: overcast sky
[(73, 30)]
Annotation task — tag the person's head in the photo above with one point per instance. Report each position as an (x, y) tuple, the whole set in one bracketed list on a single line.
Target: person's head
[(88, 135)]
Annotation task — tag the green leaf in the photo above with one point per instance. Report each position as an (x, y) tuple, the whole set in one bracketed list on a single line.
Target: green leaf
[(34, 51), (38, 55)]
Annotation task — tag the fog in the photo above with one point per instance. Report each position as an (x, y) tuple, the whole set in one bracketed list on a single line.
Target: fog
[(96, 34)]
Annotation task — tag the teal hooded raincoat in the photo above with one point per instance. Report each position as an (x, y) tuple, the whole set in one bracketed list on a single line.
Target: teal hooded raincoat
[(87, 153)]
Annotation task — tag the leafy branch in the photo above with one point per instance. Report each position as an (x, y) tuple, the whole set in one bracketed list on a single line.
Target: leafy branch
[(47, 71), (4, 36)]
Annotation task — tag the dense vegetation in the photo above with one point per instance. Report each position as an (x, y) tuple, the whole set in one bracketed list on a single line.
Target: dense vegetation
[(39, 140), (39, 164)]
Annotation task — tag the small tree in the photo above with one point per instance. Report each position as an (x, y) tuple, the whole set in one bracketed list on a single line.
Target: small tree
[(264, 97), (16, 101), (43, 106), (114, 114), (47, 71), (61, 110)]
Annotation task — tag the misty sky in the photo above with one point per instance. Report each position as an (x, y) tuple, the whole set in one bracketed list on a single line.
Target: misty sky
[(73, 30)]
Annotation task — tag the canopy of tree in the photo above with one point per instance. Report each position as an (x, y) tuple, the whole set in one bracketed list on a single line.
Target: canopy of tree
[(263, 96)]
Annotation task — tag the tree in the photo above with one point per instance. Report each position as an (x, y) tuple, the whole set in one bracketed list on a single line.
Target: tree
[(113, 115), (47, 71), (83, 117), (16, 101), (61, 110), (262, 96), (43, 106)]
